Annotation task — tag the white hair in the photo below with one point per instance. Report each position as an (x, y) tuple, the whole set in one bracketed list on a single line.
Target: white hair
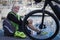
[(14, 5)]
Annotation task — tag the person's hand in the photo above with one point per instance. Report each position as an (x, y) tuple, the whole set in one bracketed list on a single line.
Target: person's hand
[(39, 32)]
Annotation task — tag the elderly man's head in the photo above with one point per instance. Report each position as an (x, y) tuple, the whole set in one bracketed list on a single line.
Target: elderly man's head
[(15, 8)]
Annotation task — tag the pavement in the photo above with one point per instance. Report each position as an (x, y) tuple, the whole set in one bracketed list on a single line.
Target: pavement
[(2, 37), (13, 38)]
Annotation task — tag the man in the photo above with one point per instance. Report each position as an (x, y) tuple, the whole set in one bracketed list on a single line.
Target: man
[(17, 22)]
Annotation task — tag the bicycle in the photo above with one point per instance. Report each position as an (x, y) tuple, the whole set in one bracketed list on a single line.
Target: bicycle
[(41, 25)]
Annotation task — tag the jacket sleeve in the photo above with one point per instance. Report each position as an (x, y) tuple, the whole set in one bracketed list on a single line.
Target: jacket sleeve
[(14, 19)]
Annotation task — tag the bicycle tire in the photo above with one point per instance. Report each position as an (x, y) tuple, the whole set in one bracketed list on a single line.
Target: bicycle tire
[(40, 11)]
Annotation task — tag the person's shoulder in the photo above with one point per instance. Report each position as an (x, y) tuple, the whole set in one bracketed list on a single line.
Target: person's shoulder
[(9, 13)]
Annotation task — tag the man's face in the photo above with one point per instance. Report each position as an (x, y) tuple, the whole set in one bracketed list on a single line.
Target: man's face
[(16, 9)]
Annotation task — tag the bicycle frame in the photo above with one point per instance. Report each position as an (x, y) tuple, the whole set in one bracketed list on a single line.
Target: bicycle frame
[(53, 8), (56, 11)]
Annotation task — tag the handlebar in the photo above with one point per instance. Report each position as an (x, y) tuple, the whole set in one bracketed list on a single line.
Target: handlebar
[(57, 1), (37, 1)]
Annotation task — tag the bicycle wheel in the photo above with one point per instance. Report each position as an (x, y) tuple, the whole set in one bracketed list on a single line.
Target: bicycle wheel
[(51, 23)]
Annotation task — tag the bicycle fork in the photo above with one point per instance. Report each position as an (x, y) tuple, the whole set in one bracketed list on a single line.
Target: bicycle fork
[(41, 26)]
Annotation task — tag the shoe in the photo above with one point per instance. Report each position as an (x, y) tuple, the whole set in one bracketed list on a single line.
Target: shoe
[(19, 34), (44, 33)]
